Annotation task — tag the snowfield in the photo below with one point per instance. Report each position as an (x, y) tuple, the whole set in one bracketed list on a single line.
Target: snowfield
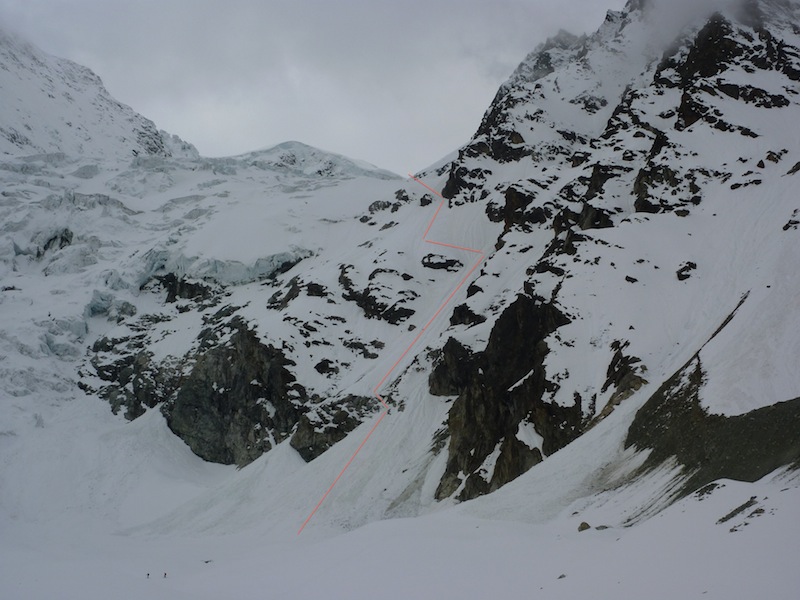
[(640, 203), (131, 500)]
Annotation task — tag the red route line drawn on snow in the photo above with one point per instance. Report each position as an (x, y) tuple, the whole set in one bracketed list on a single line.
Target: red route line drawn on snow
[(375, 393)]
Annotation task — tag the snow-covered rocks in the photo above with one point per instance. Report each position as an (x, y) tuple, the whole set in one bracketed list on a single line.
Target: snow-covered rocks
[(633, 312)]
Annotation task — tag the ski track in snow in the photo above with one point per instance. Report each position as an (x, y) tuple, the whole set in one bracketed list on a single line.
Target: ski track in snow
[(435, 316)]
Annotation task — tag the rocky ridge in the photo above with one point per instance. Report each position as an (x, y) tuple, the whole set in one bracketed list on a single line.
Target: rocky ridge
[(607, 138)]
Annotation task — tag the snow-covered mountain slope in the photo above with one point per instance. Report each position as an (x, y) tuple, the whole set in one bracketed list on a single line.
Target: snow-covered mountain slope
[(103, 234), (623, 353), (53, 105), (625, 179)]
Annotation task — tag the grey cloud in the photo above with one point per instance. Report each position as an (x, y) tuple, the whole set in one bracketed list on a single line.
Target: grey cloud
[(396, 83)]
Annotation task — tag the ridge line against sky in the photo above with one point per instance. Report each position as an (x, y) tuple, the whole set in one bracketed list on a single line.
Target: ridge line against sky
[(398, 84)]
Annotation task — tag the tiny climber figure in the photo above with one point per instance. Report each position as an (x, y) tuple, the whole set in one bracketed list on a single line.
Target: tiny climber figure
[(165, 575), (148, 575)]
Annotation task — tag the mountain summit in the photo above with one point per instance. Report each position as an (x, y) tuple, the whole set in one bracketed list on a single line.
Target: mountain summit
[(54, 105), (633, 170)]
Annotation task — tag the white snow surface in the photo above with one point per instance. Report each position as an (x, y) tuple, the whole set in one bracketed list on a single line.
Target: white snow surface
[(115, 501), (90, 504)]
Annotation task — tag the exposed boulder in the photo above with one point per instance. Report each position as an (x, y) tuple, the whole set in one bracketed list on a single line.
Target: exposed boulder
[(438, 261), (685, 271)]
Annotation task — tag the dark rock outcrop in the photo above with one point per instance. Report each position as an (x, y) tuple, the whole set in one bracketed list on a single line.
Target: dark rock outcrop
[(463, 315), (672, 423), (498, 389), (685, 270), (462, 179), (238, 399), (437, 261), (592, 217), (368, 299), (180, 287), (321, 428), (712, 51), (137, 383), (453, 370), (132, 380), (624, 374), (654, 176)]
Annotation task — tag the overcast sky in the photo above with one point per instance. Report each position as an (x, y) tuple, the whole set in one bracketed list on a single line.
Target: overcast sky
[(399, 83)]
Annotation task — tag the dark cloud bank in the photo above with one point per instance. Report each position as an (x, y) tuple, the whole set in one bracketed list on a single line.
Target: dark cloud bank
[(396, 83)]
